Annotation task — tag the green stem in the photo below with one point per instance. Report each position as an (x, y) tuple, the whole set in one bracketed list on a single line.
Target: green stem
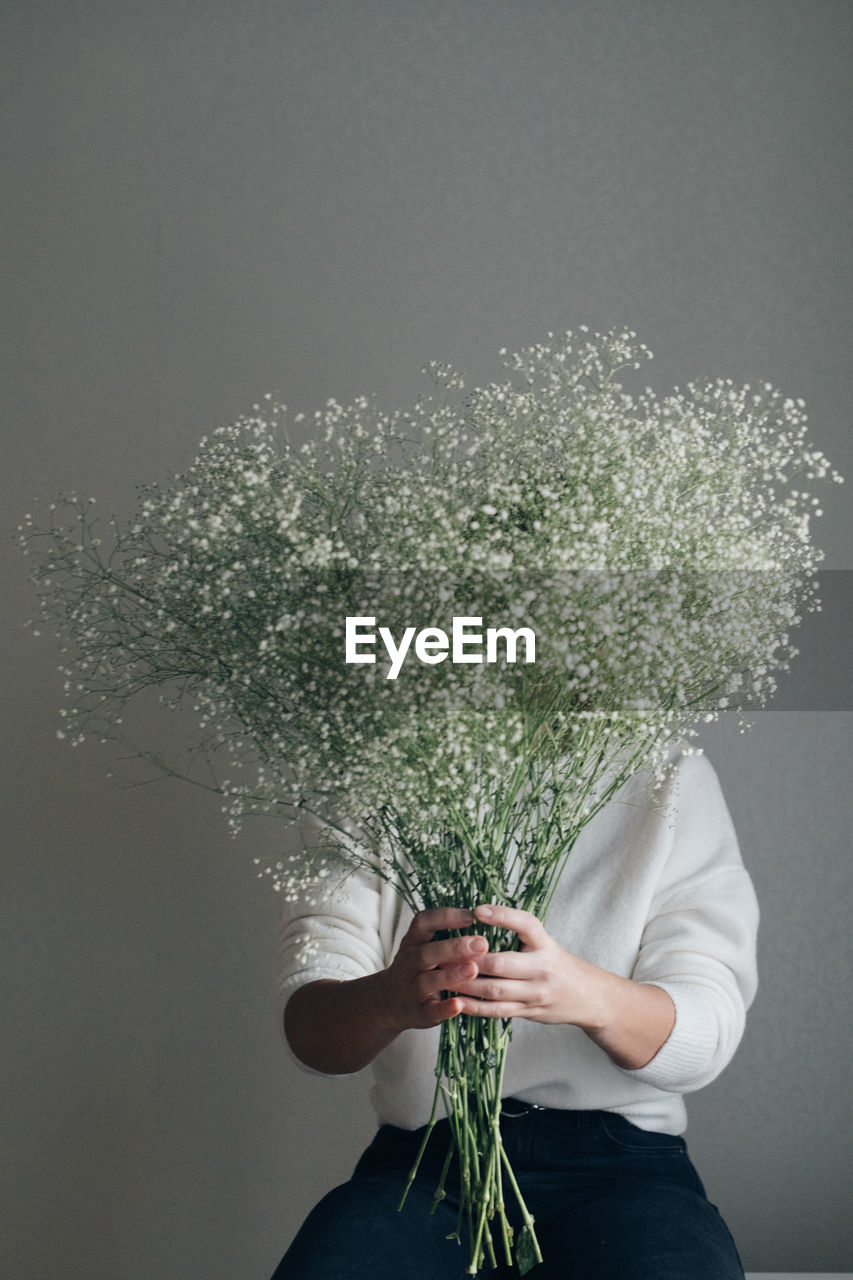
[(429, 1128), (525, 1212), (440, 1192)]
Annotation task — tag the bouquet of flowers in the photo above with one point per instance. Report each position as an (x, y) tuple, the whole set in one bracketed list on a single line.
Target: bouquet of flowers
[(452, 633)]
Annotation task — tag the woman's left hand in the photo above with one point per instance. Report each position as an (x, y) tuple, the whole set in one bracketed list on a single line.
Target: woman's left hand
[(542, 981), (629, 1020)]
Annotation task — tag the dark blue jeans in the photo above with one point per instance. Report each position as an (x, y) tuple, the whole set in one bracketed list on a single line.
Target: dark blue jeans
[(611, 1202)]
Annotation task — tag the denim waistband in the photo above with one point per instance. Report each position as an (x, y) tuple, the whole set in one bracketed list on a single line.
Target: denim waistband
[(536, 1138), (517, 1109)]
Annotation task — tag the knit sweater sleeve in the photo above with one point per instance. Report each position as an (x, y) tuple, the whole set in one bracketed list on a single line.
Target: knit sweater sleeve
[(699, 943), (339, 934), (333, 937)]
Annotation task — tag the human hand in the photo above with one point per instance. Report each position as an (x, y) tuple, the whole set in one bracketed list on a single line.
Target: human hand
[(424, 967), (542, 981)]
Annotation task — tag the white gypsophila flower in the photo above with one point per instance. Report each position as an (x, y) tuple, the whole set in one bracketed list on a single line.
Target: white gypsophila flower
[(660, 550)]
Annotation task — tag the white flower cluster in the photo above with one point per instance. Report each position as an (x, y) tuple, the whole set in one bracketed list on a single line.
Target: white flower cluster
[(660, 549)]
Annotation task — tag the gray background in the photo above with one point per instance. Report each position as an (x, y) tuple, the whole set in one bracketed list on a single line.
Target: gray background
[(207, 201)]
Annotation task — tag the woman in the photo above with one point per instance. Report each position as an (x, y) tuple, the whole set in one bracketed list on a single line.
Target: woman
[(632, 994)]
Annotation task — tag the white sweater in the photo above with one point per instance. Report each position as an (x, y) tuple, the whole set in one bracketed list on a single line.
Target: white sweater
[(662, 898)]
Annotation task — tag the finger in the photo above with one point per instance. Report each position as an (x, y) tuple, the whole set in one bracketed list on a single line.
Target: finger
[(427, 923), (494, 1008), (447, 951), (531, 931), (522, 965), (496, 992), (435, 1010), (430, 982)]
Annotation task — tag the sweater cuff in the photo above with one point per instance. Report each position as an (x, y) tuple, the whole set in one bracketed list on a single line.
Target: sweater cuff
[(685, 1055)]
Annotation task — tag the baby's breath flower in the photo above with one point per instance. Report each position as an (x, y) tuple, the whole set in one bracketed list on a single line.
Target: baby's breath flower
[(656, 547)]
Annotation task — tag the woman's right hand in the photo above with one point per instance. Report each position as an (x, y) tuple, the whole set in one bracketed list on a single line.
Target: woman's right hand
[(340, 1026), (426, 966)]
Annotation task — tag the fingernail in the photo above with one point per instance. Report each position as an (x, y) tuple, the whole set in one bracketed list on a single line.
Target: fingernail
[(485, 913)]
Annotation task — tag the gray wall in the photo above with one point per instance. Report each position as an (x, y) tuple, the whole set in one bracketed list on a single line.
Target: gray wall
[(209, 200)]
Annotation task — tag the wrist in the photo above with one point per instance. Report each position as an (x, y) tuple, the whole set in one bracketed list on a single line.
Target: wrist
[(632, 1021), (595, 998), (385, 1005), (583, 997)]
